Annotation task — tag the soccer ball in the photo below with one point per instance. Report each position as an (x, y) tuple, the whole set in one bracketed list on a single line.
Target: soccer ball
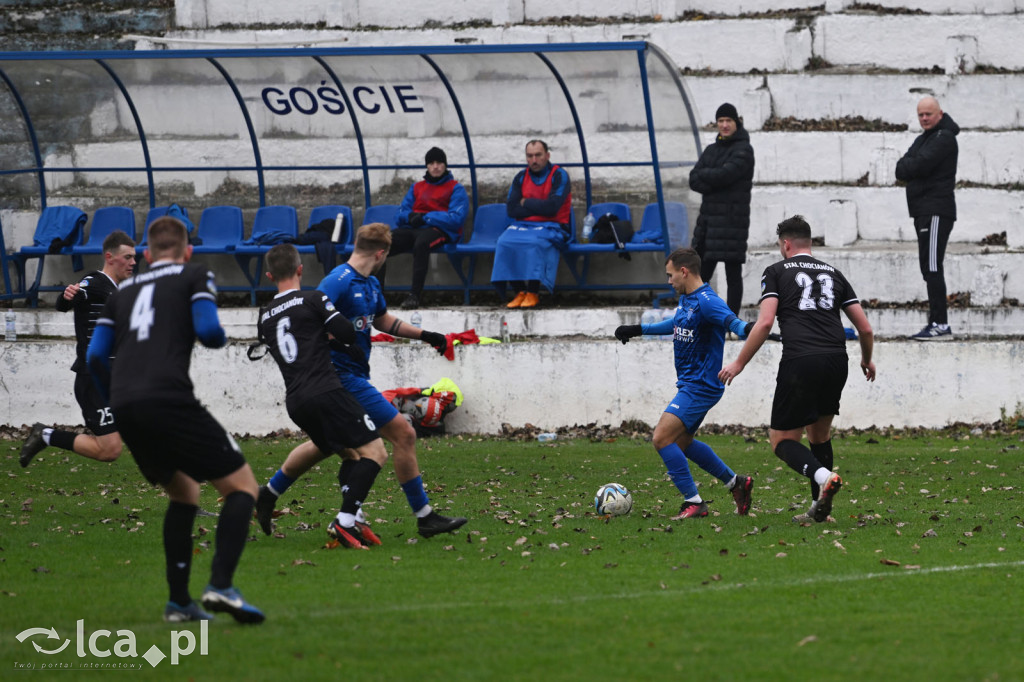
[(613, 499)]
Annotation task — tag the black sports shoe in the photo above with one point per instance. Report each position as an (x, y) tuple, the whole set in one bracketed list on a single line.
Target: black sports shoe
[(433, 523), (411, 301), (265, 509), (33, 445)]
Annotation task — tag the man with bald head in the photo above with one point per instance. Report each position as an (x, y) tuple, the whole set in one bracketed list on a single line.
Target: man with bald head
[(929, 171)]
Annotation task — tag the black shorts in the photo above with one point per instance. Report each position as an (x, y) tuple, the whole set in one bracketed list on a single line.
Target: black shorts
[(807, 388), (168, 437), (334, 421), (95, 410)]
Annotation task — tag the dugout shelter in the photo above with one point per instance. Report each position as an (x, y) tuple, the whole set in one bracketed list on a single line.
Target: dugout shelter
[(313, 127)]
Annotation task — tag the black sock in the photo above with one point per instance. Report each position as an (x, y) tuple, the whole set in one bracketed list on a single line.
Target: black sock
[(798, 457), (65, 440), (823, 453), (232, 531), (345, 471), (359, 483), (178, 522)]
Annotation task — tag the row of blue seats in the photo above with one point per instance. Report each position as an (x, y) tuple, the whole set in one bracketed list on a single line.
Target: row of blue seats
[(221, 231)]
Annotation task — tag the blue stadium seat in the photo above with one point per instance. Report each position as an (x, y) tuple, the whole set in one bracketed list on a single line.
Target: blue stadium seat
[(221, 229), (104, 221), (58, 229), (489, 221), (382, 213), (272, 225)]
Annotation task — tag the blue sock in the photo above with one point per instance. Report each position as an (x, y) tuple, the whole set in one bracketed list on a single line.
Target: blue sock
[(678, 470), (704, 457), (415, 493), (280, 483)]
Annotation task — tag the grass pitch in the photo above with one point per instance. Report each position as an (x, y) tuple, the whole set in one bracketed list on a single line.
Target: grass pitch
[(919, 578)]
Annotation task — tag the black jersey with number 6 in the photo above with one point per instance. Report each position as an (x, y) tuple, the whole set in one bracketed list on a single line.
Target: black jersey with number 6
[(293, 325), (153, 332), (811, 296)]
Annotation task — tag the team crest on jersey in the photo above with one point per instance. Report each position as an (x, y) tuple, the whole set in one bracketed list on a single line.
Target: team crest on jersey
[(84, 283), (327, 303)]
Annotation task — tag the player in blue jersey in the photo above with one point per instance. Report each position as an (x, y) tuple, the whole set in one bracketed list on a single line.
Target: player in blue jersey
[(356, 294), (698, 327)]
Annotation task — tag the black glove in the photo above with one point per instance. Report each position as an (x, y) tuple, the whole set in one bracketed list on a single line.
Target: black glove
[(627, 331), (416, 219), (746, 329), (438, 341), (349, 349)]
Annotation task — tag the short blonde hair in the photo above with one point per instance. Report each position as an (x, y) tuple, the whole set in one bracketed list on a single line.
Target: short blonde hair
[(373, 237), (167, 238)]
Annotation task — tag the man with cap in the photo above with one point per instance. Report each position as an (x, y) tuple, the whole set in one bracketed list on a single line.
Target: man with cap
[(724, 175), (431, 214)]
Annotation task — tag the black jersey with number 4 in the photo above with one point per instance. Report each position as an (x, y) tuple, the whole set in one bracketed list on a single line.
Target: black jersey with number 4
[(293, 325), (811, 296), (94, 290), (153, 332)]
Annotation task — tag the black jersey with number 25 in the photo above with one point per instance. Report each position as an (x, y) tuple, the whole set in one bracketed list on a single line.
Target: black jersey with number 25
[(811, 295), (293, 327), (152, 318)]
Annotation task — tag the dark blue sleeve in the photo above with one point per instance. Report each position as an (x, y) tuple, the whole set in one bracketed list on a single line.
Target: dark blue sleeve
[(515, 195), (97, 357), (402, 216), (207, 324)]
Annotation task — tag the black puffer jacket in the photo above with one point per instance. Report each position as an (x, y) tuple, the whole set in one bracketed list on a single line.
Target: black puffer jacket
[(929, 169), (724, 175)]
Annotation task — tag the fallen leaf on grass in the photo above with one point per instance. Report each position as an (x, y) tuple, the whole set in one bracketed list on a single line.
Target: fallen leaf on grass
[(808, 638), (302, 562), (889, 562), (930, 533)]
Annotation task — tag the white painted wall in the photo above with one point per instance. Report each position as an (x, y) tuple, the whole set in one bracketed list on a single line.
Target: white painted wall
[(555, 383)]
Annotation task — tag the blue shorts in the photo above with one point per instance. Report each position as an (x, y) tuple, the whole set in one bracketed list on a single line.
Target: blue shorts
[(692, 403), (379, 409)]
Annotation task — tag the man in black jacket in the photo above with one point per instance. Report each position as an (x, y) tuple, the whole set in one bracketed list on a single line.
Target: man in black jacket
[(929, 169), (724, 175)]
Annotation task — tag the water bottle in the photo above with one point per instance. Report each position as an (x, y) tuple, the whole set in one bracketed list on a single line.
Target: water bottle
[(10, 328), (588, 227), (546, 437), (417, 321), (652, 316), (505, 336), (339, 223)]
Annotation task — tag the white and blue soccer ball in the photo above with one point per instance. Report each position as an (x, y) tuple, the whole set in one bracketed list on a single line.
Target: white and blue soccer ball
[(613, 499)]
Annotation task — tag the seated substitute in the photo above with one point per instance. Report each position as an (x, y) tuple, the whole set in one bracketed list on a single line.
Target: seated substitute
[(539, 204), (432, 213)]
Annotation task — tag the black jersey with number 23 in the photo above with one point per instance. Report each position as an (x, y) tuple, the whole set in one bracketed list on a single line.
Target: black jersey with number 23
[(811, 295)]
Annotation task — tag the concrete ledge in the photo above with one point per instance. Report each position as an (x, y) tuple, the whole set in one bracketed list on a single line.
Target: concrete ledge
[(557, 383), (974, 323)]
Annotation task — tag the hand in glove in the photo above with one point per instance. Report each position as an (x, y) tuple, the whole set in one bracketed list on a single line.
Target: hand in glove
[(627, 331), (438, 341)]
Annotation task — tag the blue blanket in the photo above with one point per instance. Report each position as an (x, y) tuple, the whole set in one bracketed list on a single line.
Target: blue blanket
[(528, 251)]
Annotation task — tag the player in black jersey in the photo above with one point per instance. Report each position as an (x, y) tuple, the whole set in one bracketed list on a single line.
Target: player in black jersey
[(807, 294), (150, 325), (87, 298), (295, 326)]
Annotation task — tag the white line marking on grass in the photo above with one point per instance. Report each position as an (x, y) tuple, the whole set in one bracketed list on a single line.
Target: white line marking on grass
[(583, 598)]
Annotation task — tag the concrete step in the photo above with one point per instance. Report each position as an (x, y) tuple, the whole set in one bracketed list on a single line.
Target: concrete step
[(979, 101), (975, 323)]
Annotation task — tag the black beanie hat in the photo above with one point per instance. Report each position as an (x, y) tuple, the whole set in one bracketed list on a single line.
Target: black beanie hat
[(436, 154), (727, 111)]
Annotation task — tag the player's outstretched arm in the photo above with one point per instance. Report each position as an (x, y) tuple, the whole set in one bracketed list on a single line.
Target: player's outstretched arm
[(756, 336), (389, 324), (859, 319)]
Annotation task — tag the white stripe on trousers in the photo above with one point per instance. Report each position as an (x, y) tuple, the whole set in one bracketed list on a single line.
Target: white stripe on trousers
[(933, 245)]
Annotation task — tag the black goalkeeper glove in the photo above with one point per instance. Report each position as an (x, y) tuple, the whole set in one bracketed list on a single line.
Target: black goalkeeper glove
[(746, 329), (416, 219), (438, 341), (627, 331)]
